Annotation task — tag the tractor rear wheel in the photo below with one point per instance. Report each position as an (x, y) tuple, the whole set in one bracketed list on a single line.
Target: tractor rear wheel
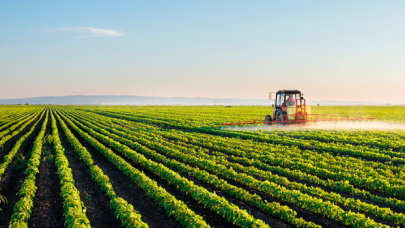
[(280, 115)]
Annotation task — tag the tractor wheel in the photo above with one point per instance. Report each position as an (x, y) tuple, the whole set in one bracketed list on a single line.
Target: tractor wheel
[(280, 115), (268, 118)]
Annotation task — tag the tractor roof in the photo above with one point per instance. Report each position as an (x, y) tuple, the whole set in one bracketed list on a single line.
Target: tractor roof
[(288, 91)]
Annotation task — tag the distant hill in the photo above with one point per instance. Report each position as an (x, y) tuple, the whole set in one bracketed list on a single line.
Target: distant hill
[(133, 100), (143, 100)]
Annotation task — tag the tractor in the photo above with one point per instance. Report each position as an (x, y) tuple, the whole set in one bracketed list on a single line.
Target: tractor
[(290, 107)]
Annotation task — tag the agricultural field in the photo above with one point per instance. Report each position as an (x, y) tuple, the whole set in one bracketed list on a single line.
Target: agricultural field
[(177, 166)]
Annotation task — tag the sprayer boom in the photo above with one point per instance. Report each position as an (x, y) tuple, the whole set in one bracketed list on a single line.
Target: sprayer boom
[(310, 118), (290, 107)]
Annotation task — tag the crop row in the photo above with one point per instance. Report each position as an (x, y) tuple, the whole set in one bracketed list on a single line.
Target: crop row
[(282, 163), (14, 119), (124, 211), (23, 208), (281, 166), (358, 139), (7, 119), (173, 207), (360, 151), (11, 129), (379, 145), (10, 120), (11, 155), (75, 211), (384, 213), (282, 212), (344, 186), (317, 206), (215, 203), (366, 136), (329, 162), (16, 132), (390, 185)]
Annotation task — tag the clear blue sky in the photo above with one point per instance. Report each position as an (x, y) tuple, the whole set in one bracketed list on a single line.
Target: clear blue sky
[(331, 50)]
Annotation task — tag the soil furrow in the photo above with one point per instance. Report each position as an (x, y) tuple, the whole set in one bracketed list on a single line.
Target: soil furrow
[(48, 202), (96, 202), (152, 214)]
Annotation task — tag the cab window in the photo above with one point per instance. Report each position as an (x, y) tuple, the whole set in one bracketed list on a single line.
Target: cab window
[(282, 99)]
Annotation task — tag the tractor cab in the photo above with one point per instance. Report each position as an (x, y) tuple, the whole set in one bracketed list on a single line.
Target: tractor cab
[(286, 98), (289, 105)]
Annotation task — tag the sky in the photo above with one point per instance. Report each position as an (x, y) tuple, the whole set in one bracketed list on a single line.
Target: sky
[(330, 50)]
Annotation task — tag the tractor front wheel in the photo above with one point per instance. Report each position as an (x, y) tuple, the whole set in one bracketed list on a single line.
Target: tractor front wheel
[(280, 115)]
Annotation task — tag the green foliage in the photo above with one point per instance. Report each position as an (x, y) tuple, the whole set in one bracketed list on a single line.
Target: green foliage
[(47, 144), (23, 208), (173, 207), (21, 160), (350, 177), (75, 211), (247, 148)]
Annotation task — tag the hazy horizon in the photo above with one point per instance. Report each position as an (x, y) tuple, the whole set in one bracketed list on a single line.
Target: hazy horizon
[(351, 51), (152, 100)]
